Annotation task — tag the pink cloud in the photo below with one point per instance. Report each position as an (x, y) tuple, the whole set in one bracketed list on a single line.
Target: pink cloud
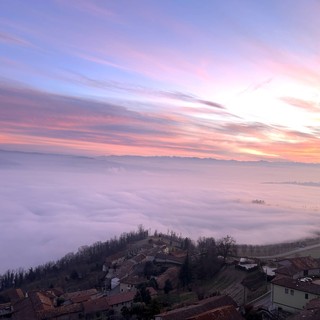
[(51, 121), (310, 106)]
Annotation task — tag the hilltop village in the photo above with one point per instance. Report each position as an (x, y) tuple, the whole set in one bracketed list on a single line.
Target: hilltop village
[(163, 277)]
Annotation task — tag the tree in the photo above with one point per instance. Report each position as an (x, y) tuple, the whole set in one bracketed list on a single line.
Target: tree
[(207, 263), (187, 244), (167, 286), (148, 269), (74, 275), (143, 295), (185, 272), (153, 308), (153, 283), (226, 247), (125, 312)]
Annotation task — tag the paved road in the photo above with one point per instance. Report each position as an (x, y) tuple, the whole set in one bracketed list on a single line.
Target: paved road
[(288, 253)]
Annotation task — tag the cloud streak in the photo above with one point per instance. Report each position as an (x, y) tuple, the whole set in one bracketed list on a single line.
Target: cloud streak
[(181, 124)]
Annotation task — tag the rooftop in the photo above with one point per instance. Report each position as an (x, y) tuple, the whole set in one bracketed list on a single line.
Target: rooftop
[(96, 305), (221, 313), (121, 298), (293, 266), (133, 280), (197, 309), (59, 311), (80, 296), (309, 287)]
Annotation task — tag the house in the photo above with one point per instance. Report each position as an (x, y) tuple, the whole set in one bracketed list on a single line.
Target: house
[(80, 296), (151, 254), (6, 310), (298, 267), (138, 258), (247, 264), (198, 309), (269, 271), (24, 310), (130, 283), (120, 300), (13, 294), (292, 295), (251, 284), (33, 306), (70, 312), (125, 269), (113, 260), (96, 308), (40, 305), (293, 287), (114, 283), (172, 241)]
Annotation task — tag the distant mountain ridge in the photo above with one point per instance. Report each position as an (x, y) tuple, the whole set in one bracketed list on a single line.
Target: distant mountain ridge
[(161, 158)]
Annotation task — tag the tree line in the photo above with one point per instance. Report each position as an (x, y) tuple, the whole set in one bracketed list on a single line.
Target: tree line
[(204, 258), (87, 259)]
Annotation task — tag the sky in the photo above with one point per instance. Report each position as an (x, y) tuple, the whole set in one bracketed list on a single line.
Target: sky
[(210, 79), (83, 82)]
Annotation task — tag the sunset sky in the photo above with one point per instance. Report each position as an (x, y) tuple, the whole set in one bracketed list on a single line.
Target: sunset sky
[(222, 79)]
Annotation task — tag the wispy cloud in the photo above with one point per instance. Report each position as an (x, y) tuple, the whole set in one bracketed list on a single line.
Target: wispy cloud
[(309, 106), (13, 39), (34, 117), (140, 90)]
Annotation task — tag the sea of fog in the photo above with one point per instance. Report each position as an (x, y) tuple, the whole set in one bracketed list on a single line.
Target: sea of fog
[(53, 204)]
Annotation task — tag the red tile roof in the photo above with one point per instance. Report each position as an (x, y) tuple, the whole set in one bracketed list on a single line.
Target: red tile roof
[(152, 291), (80, 296), (110, 259), (222, 313), (96, 305), (74, 308), (121, 298), (23, 310), (40, 300), (196, 309), (133, 280), (13, 294)]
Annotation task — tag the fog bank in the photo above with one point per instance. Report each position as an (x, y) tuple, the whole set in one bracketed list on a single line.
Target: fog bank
[(53, 204)]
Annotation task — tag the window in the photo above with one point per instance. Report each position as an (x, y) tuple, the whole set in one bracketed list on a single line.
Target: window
[(286, 290), (292, 292), (306, 296), (305, 272)]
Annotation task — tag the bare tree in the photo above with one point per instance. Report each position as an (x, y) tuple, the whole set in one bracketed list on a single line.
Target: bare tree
[(226, 247)]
